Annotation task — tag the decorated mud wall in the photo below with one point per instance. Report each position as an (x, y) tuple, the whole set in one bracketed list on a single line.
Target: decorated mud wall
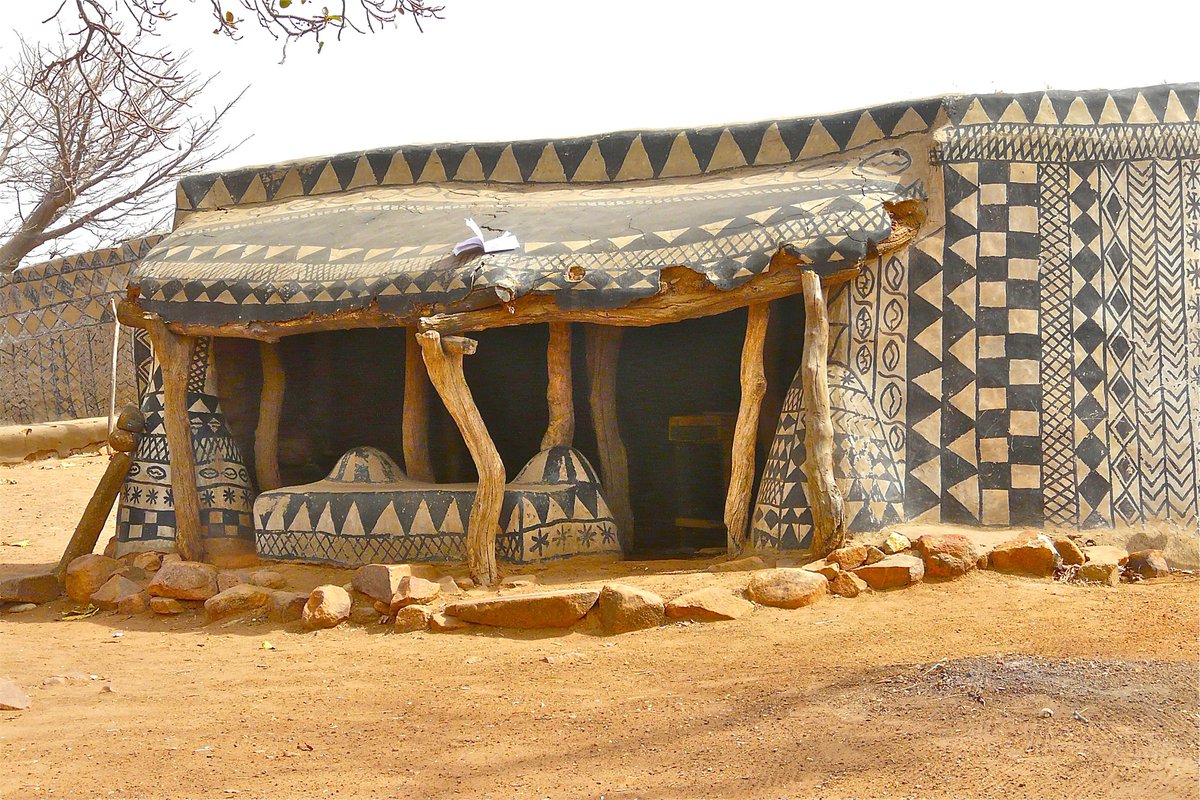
[(1034, 359), (56, 336)]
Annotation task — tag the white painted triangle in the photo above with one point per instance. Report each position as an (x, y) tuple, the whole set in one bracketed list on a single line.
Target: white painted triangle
[(338, 253), (277, 249), (422, 521), (555, 512), (975, 114), (865, 132), (965, 248), (325, 520), (1014, 113), (275, 518), (301, 521), (967, 210), (909, 123), (388, 523), (1174, 112), (453, 521), (1110, 114), (307, 250), (931, 427), (580, 511), (727, 154), (1141, 111), (1046, 114), (1078, 114), (353, 524), (818, 143)]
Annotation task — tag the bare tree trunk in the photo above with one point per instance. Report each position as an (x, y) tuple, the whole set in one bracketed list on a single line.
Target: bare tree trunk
[(29, 235), (829, 523)]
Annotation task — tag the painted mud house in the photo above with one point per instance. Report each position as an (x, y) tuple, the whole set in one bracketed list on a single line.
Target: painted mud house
[(997, 296)]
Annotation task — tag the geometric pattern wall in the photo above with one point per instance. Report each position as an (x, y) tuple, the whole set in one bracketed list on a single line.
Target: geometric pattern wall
[(56, 336), (1046, 325)]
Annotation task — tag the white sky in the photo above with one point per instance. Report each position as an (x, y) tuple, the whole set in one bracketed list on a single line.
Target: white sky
[(509, 69)]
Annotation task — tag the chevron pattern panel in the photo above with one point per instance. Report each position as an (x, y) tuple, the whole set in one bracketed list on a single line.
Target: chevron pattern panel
[(56, 336)]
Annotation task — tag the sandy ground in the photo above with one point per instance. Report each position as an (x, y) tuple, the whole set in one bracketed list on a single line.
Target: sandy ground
[(932, 691)]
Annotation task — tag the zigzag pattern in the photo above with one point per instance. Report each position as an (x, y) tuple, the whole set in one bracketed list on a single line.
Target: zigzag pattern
[(1038, 144), (1147, 320), (1178, 423)]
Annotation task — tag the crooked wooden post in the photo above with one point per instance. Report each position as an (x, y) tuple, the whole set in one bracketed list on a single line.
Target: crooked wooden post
[(174, 353), (416, 413), (560, 431), (443, 359), (745, 431), (603, 350), (828, 511), (123, 439), (270, 410)]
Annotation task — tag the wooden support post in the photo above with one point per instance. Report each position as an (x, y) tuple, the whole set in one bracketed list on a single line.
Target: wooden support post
[(174, 354), (829, 523), (443, 358), (560, 432), (270, 409), (603, 350), (745, 431), (416, 413), (123, 439)]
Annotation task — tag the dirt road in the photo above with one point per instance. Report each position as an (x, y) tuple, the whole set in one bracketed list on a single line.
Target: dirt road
[(933, 691)]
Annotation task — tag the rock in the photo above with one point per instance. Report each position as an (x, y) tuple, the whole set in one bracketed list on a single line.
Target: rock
[(88, 573), (235, 600), (114, 590), (1147, 563), (787, 588), (414, 591), (566, 658), (267, 578), (286, 606), (1103, 554), (184, 580), (874, 554), (227, 579), (380, 581), (560, 608), (444, 623), (133, 603), (823, 568), (449, 586), (327, 607), (465, 583), (1029, 554), (708, 605), (896, 542), (110, 547), (12, 697), (170, 558), (848, 557), (147, 560), (982, 562), (1068, 551), (37, 588), (20, 608), (623, 608), (893, 572), (167, 605), (364, 613), (1099, 572), (847, 584), (136, 574), (412, 618), (748, 564), (947, 555)]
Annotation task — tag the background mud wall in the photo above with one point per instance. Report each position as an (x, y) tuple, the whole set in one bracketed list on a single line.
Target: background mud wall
[(56, 335)]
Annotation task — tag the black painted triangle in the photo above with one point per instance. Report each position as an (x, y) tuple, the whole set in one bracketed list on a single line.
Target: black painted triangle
[(237, 182), (417, 158), (527, 155), (658, 147), (704, 143), (197, 187), (380, 161), (452, 156), (310, 174), (841, 126), (887, 117), (994, 105), (748, 139), (343, 167), (794, 133), (613, 149), (571, 154), (489, 156)]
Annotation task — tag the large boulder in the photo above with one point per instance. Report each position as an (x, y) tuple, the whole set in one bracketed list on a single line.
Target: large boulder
[(1147, 563), (412, 618), (713, 604), (36, 588), (560, 608), (623, 608), (116, 589), (236, 599), (382, 581), (893, 572), (896, 542), (88, 573), (847, 584), (1068, 551), (787, 588), (848, 557), (1099, 572), (947, 555), (184, 580), (414, 591), (286, 606), (327, 607), (1029, 554)]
